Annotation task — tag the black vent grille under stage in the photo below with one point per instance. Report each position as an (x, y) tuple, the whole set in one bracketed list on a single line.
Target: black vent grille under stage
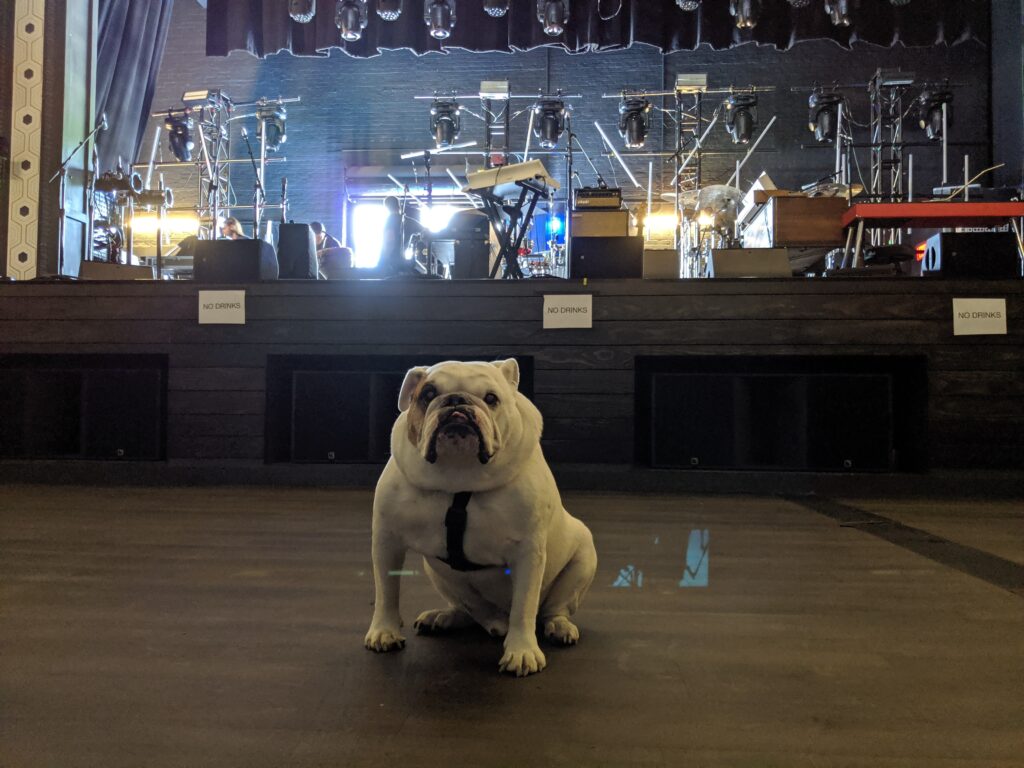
[(847, 414), (83, 407), (340, 408)]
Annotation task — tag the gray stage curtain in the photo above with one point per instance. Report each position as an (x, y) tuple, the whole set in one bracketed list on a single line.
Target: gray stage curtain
[(132, 35), (263, 27)]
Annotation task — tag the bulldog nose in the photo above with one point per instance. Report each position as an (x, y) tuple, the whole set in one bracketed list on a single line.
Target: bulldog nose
[(453, 400)]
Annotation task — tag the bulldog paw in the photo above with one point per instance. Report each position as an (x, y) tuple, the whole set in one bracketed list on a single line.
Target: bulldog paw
[(441, 620), (559, 629), (382, 640), (523, 660)]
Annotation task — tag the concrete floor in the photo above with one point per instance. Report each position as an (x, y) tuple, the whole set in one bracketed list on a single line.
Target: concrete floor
[(223, 627)]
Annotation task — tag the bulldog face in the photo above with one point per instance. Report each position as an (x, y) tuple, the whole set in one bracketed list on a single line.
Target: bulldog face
[(461, 413)]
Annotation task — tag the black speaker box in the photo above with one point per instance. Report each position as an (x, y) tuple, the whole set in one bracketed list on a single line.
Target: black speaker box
[(296, 252), (607, 257), (972, 255), (471, 260), (234, 261)]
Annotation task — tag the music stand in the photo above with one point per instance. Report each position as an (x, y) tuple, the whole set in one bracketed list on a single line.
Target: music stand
[(511, 235)]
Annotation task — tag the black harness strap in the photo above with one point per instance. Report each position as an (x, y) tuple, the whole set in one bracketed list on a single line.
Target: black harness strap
[(455, 526)]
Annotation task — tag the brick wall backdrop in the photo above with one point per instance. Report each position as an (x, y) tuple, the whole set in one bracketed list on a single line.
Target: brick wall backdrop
[(362, 112)]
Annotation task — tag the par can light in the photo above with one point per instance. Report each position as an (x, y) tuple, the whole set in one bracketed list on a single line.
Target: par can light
[(745, 12), (688, 5), (302, 11), (496, 8), (439, 16), (554, 15), (350, 16), (389, 10)]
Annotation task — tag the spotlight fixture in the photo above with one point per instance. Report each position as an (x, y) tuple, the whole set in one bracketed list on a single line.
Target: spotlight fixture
[(350, 16), (929, 112), (839, 12), (746, 12), (439, 16), (548, 122), (445, 122), (496, 8), (554, 15), (302, 11), (799, 3), (389, 10), (634, 120), (272, 125), (824, 109), (688, 5), (740, 118), (179, 130)]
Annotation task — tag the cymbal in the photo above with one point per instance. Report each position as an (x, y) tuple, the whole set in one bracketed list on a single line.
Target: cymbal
[(835, 189), (689, 198)]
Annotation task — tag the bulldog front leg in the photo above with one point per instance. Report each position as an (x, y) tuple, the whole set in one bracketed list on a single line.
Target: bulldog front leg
[(388, 559), (523, 655)]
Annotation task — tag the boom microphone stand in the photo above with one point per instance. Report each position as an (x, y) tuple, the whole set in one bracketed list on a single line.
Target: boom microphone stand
[(62, 173), (259, 195)]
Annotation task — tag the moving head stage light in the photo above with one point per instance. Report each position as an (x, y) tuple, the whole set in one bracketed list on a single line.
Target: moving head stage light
[(799, 3), (179, 130), (839, 12), (554, 15), (496, 8), (929, 112), (445, 122), (740, 119), (350, 17), (272, 125), (746, 12), (688, 5), (634, 120), (389, 10), (549, 122), (822, 119), (302, 11), (439, 16)]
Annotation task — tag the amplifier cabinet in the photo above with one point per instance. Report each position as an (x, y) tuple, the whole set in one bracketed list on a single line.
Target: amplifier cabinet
[(597, 223), (989, 255), (796, 221)]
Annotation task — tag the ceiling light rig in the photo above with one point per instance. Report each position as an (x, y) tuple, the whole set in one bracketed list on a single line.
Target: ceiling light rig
[(839, 12), (688, 5), (350, 16), (439, 16), (549, 122), (929, 112), (445, 122), (745, 12), (823, 115), (554, 15), (634, 120), (799, 3), (740, 117), (302, 11), (389, 10), (496, 8)]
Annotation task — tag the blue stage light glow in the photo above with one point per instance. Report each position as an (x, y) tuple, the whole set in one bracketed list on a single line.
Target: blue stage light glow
[(554, 225)]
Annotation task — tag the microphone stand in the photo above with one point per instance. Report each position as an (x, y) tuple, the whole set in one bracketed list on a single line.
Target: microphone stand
[(62, 173), (260, 195)]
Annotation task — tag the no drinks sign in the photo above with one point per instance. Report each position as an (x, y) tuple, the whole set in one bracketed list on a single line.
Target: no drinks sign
[(569, 310)]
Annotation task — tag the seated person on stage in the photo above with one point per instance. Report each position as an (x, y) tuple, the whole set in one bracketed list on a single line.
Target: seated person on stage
[(323, 240), (231, 229), (397, 230)]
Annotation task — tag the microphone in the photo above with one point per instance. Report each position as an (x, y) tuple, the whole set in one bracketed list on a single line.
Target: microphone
[(245, 134)]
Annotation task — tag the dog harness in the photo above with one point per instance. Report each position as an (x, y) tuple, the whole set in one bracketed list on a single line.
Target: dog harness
[(455, 528)]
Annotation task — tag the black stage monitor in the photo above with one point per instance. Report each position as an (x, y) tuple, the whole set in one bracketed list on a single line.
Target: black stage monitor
[(296, 252), (607, 257), (234, 261)]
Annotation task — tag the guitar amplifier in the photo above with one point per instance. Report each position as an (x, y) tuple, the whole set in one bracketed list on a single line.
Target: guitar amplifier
[(968, 255), (596, 197)]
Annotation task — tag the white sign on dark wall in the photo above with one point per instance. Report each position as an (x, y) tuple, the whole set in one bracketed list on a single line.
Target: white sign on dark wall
[(979, 317), (222, 307), (569, 311)]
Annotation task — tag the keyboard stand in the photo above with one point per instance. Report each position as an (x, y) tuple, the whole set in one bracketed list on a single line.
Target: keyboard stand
[(511, 234)]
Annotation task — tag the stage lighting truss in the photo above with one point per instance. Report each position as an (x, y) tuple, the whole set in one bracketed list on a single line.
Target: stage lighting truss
[(839, 12), (554, 15), (823, 107), (549, 122), (445, 122), (745, 12), (351, 17), (389, 10), (302, 11), (271, 126), (741, 116), (496, 8), (439, 16), (929, 112), (634, 120), (179, 131)]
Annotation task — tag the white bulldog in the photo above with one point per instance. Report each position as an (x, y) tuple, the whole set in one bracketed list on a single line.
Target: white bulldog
[(467, 487)]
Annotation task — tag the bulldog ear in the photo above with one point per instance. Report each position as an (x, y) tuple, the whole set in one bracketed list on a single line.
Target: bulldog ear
[(412, 380), (510, 370)]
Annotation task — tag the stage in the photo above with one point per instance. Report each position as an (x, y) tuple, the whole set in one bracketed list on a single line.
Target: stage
[(302, 393)]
